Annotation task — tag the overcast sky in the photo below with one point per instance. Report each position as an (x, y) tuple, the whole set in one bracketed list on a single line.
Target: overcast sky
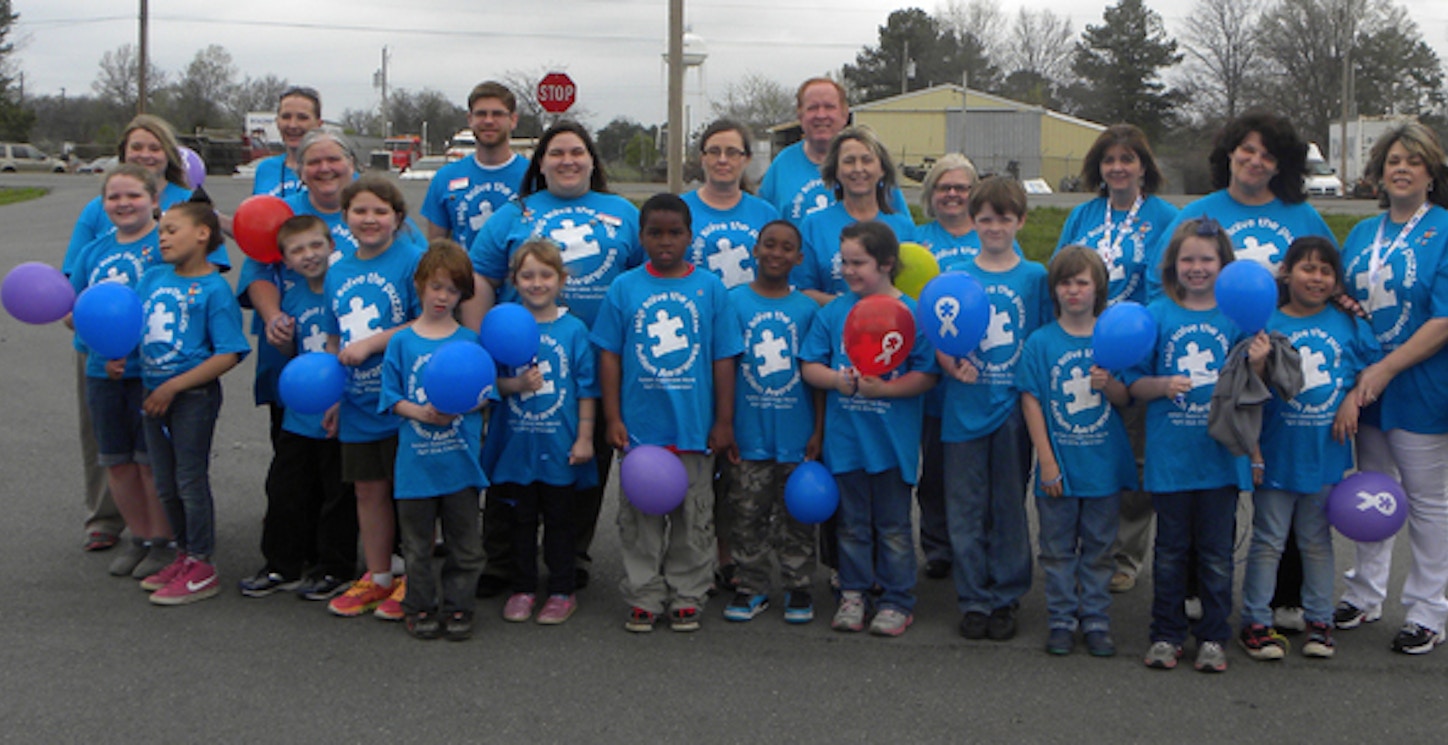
[(611, 48)]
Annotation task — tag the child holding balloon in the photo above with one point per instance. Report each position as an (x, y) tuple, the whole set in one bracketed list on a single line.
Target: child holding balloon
[(113, 387), (875, 385), (1305, 446), (193, 335), (309, 533), (1193, 478), (438, 474), (667, 340), (370, 297), (1083, 455), (540, 448)]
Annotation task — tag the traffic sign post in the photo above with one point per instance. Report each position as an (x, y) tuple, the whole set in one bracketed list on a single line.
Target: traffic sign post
[(556, 92)]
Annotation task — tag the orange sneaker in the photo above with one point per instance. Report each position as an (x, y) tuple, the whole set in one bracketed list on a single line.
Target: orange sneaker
[(363, 596), (391, 608)]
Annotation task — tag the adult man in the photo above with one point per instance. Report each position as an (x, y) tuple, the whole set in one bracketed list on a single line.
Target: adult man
[(464, 193), (792, 184)]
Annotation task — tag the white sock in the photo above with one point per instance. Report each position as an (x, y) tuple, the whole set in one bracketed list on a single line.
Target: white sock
[(383, 579)]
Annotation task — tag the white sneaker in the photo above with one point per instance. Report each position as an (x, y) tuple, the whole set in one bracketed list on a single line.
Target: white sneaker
[(1290, 619)]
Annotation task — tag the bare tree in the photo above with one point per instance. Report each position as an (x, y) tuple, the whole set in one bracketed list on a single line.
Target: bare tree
[(1040, 42), (532, 119), (255, 94), (116, 81), (981, 19), (1223, 55), (199, 96), (757, 101)]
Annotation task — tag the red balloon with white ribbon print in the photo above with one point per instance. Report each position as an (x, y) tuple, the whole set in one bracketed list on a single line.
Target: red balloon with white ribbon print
[(879, 334)]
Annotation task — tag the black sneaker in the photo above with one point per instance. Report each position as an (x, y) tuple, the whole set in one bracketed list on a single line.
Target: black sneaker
[(746, 605), (1002, 624), (423, 626), (265, 583), (798, 607), (458, 627), (1348, 616), (490, 586), (1099, 643), (974, 625), (684, 619), (322, 587), (1060, 641), (937, 568), (1416, 638)]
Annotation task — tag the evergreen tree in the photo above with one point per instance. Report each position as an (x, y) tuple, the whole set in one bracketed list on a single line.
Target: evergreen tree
[(1119, 63)]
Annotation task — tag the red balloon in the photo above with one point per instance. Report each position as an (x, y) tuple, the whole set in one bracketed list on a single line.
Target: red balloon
[(255, 226), (879, 334)]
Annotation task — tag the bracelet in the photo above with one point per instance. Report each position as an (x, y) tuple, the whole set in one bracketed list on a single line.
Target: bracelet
[(1259, 466), (1053, 482)]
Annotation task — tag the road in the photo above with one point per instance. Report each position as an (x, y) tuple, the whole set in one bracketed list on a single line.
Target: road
[(86, 658)]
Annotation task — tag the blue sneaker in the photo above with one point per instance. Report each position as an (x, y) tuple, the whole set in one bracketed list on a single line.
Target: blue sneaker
[(745, 606), (798, 607)]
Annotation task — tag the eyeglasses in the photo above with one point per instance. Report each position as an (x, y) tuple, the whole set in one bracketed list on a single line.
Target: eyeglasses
[(728, 152), (953, 188)]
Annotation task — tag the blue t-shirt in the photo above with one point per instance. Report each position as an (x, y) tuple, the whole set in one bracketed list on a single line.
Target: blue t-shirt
[(532, 432), (1411, 288), (1020, 303), (773, 407), (1180, 455), (1260, 233), (1086, 431), (188, 320), (793, 185), (94, 223), (1297, 443), (366, 297), (274, 179), (820, 269), (599, 234), (108, 260), (869, 434), (724, 239), (342, 237), (1125, 249), (432, 460), (667, 333), (464, 194), (952, 252), (307, 309)]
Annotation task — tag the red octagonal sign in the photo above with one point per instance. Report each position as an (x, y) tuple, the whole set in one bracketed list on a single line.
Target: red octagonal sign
[(556, 92)]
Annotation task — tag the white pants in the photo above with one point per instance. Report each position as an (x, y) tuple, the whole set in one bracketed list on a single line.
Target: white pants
[(1420, 462)]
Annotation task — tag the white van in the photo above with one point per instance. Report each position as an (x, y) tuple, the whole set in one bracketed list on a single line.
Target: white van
[(1322, 180)]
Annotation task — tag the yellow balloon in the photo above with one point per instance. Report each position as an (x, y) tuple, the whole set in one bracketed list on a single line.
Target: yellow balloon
[(917, 267)]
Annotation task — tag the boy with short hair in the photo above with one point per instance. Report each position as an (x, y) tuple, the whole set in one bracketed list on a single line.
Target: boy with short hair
[(667, 340), (309, 534)]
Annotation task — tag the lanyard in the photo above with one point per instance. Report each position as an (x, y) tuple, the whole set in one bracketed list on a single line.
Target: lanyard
[(1112, 245), (1380, 257)]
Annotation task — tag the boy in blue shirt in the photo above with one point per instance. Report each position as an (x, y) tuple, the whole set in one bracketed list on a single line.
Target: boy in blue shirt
[(667, 340)]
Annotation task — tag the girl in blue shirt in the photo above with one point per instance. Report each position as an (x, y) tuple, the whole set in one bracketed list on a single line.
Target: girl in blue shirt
[(872, 439), (1192, 477)]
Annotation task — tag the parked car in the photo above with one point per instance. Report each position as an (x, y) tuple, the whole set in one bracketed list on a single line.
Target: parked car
[(99, 165), (18, 156)]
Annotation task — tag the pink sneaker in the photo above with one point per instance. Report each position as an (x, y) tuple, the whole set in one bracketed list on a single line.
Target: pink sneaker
[(162, 578), (391, 608), (519, 607), (556, 610), (196, 581)]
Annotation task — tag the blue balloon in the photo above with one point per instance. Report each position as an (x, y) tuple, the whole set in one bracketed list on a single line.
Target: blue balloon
[(510, 334), (458, 377), (1125, 334), (311, 383), (954, 313), (108, 318), (811, 494), (1247, 293)]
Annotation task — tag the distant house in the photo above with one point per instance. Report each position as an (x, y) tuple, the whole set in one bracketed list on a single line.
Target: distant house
[(999, 135)]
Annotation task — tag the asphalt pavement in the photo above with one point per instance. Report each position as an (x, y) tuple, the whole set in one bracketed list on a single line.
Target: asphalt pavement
[(87, 658)]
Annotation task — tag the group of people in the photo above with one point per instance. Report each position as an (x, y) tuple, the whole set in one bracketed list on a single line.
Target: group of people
[(712, 324)]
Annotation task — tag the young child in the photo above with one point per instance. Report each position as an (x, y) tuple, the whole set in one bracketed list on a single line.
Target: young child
[(776, 425), (540, 447), (1193, 479), (667, 340), (1083, 455), (309, 534), (113, 387), (872, 438), (1305, 447), (193, 336), (370, 297), (986, 446), (438, 474)]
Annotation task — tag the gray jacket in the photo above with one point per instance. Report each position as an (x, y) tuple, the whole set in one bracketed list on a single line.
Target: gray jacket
[(1235, 419)]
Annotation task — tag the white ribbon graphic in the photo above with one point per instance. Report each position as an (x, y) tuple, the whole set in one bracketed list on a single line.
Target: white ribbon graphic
[(889, 345), (1383, 502), (947, 309)]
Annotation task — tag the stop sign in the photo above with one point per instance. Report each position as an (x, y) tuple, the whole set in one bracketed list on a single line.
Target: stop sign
[(556, 92)]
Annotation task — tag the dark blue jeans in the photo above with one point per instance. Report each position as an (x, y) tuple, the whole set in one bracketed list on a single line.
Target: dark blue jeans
[(877, 543), (180, 445), (985, 504), (1204, 520), (1076, 537)]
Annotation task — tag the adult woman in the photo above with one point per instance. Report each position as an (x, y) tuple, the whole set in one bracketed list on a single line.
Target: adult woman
[(564, 197), (1125, 225), (859, 171), (299, 111), (1258, 163), (726, 219), (1397, 269)]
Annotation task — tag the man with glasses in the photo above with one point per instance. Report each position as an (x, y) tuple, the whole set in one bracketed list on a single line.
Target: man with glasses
[(463, 194)]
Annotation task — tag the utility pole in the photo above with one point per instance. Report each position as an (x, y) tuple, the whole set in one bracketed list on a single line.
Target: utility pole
[(905, 69), (677, 135), (1348, 23), (142, 59), (379, 80)]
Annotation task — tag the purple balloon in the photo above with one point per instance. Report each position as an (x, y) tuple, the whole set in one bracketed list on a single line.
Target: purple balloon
[(653, 479), (195, 167), (1367, 506), (37, 293)]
